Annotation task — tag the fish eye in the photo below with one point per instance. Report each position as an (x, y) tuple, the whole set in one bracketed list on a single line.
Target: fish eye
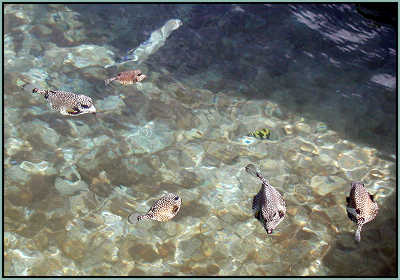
[(85, 106), (176, 197)]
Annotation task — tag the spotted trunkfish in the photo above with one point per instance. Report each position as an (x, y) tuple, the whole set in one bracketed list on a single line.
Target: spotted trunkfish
[(66, 103), (164, 209), (361, 207), (127, 77), (261, 134), (269, 204)]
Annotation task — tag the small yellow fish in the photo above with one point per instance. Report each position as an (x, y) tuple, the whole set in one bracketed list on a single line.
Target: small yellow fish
[(261, 134)]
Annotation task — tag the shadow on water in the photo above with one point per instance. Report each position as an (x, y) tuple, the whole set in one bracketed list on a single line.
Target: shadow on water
[(326, 62)]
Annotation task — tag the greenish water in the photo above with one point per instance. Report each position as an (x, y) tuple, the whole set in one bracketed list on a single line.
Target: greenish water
[(320, 77)]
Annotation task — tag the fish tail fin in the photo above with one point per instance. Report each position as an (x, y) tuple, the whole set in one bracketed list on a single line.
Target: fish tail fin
[(358, 233), (251, 169), (133, 218), (43, 92), (107, 81), (144, 217), (32, 89)]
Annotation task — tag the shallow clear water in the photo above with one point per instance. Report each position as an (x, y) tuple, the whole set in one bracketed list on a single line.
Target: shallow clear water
[(320, 77)]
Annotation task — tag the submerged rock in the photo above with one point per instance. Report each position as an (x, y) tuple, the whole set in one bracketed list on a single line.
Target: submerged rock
[(149, 138), (110, 104), (80, 56), (48, 135), (326, 184), (42, 167), (66, 187), (14, 145)]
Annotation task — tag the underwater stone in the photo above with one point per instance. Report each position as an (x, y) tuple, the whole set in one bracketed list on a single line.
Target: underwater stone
[(347, 162), (74, 249), (138, 166), (14, 145), (327, 184), (36, 76), (189, 247), (150, 138), (288, 129), (23, 260), (80, 56), (111, 103), (309, 148), (17, 174), (48, 135), (79, 128), (327, 139), (88, 161), (42, 167), (194, 152), (101, 140), (303, 127), (66, 187)]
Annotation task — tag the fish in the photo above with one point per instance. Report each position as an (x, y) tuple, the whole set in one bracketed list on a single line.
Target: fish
[(164, 209), (261, 134), (156, 40), (268, 202), (67, 103), (127, 77), (361, 207)]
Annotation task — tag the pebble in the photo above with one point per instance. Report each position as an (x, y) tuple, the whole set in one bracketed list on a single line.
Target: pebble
[(376, 174), (303, 127), (327, 184), (189, 247), (65, 187), (17, 174), (288, 129), (309, 148), (347, 162), (42, 167)]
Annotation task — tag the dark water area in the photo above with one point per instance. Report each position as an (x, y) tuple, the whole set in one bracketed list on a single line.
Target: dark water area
[(328, 62)]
